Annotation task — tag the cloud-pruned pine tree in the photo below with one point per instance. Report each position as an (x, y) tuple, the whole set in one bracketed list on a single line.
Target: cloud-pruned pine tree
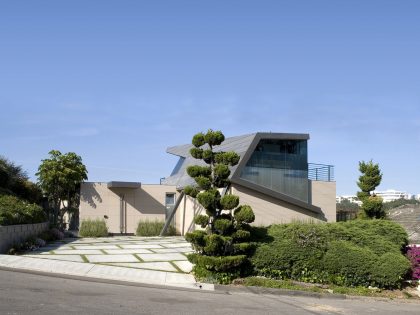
[(222, 246)]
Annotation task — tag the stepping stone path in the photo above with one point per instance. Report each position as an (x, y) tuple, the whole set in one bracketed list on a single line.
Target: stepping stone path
[(149, 253)]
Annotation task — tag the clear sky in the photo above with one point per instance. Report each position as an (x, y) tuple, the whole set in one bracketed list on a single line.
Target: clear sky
[(118, 82)]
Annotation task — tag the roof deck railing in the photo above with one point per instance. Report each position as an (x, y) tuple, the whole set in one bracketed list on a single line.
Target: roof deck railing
[(321, 172)]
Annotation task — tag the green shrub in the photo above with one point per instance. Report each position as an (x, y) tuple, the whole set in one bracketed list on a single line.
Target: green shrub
[(93, 228), (391, 269), (359, 252), (349, 264), (17, 211), (153, 228)]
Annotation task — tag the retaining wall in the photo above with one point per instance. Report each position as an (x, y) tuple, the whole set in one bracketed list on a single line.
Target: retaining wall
[(12, 234)]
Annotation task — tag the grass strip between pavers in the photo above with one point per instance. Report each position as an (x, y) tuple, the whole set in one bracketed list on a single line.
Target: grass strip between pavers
[(84, 258), (176, 267), (138, 257)]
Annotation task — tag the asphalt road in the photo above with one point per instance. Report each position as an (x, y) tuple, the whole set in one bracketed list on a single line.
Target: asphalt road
[(22, 293)]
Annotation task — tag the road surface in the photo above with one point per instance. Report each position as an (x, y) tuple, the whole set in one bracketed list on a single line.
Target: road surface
[(22, 293)]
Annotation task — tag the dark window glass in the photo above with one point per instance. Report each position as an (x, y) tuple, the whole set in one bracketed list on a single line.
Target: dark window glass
[(280, 165)]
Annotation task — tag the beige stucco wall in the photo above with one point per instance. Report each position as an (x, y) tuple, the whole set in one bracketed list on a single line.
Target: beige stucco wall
[(323, 196), (146, 202), (269, 210)]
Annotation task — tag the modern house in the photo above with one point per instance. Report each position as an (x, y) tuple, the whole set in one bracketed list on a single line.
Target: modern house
[(273, 176)]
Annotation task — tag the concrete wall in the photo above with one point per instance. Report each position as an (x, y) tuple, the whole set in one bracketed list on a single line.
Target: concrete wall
[(13, 234), (323, 196), (146, 202), (268, 210)]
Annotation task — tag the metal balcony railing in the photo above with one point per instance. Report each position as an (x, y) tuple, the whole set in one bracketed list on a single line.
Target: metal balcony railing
[(320, 172)]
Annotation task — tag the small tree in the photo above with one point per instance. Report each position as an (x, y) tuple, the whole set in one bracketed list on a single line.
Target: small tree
[(60, 177), (221, 248), (371, 178)]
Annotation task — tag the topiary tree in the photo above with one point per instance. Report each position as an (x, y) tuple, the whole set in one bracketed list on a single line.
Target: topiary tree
[(371, 178), (221, 247)]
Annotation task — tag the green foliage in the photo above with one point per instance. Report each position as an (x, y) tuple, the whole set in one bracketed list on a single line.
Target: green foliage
[(191, 191), (209, 200), (214, 244), (218, 263), (153, 228), (196, 239), (372, 207), (347, 206), (221, 171), (213, 138), (223, 226), (371, 178), (196, 153), (198, 140), (391, 269), (244, 214), (399, 202), (59, 177), (229, 202), (349, 264), (14, 181), (203, 182), (196, 170), (93, 228), (17, 211), (202, 220), (217, 248), (241, 235), (344, 253), (227, 158)]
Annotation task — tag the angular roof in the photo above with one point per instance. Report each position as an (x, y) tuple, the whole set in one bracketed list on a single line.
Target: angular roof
[(244, 146)]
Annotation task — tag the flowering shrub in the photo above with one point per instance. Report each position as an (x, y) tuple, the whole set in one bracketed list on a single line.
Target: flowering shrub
[(413, 254)]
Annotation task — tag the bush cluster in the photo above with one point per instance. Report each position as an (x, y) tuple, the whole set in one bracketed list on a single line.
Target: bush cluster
[(354, 253), (93, 228), (153, 228), (17, 211)]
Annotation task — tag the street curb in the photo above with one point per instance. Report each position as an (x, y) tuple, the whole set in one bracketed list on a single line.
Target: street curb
[(263, 290), (105, 281)]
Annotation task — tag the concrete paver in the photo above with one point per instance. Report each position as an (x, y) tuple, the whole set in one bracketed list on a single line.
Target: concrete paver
[(162, 257), (111, 258), (159, 265), (149, 260)]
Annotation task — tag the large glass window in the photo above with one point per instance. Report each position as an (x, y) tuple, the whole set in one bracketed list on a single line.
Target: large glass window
[(280, 165)]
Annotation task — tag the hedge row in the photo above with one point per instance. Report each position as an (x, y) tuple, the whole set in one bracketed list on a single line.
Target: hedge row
[(353, 253), (17, 211)]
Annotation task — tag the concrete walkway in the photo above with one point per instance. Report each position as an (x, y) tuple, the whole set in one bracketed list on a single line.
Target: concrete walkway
[(147, 260)]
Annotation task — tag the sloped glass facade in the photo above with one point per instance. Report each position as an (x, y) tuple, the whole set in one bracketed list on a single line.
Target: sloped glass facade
[(280, 165)]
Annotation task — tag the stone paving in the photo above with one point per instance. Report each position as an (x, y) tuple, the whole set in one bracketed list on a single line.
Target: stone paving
[(149, 253)]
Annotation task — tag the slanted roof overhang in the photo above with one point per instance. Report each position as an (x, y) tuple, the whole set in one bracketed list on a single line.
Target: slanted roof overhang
[(248, 143), (115, 184)]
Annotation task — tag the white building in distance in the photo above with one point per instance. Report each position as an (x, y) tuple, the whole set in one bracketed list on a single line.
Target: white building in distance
[(391, 195), (386, 195)]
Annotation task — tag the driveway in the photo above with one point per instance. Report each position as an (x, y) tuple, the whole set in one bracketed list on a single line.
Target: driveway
[(141, 260), (150, 253)]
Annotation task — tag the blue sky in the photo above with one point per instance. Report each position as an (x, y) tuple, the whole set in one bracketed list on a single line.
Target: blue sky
[(118, 82)]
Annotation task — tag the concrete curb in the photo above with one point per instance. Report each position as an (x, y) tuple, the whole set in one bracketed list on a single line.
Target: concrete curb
[(102, 272), (286, 292), (104, 281)]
